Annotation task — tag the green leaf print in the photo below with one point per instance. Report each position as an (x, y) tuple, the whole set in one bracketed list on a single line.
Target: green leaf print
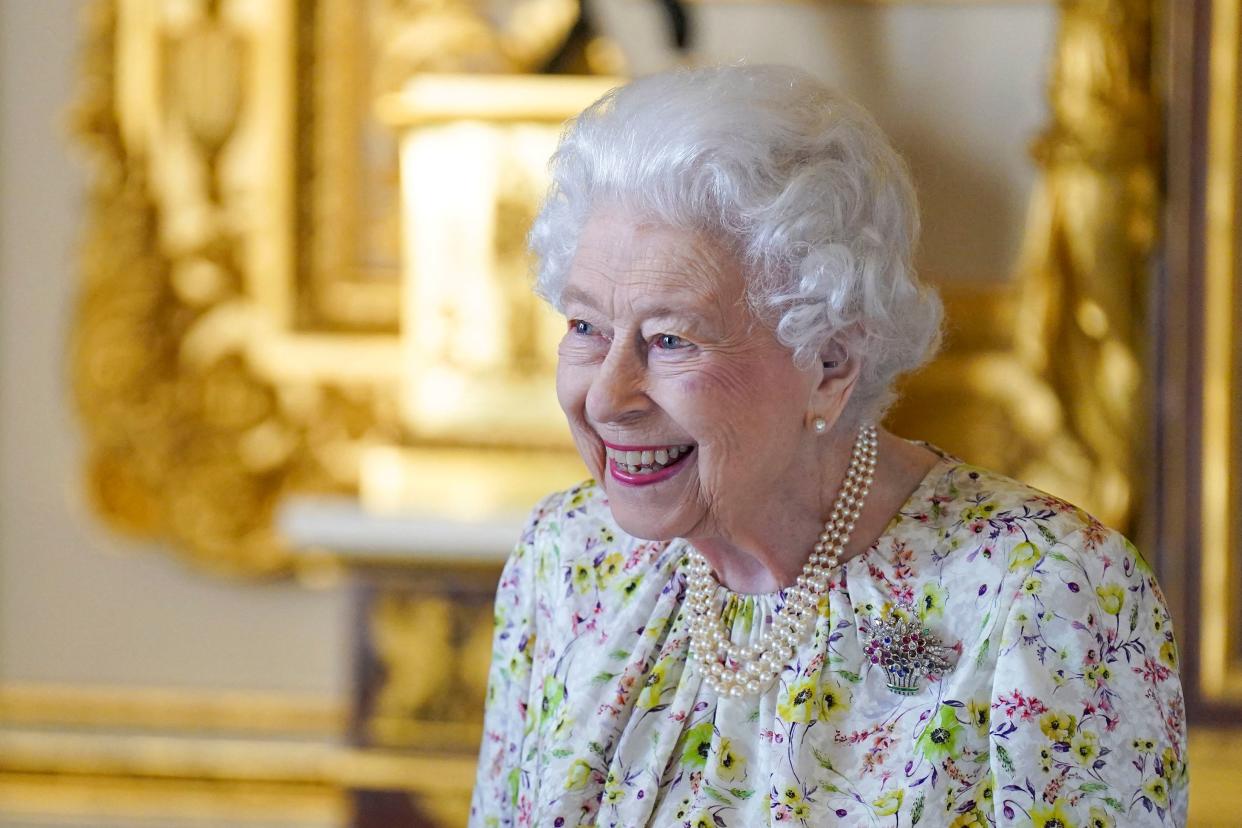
[(917, 814), (1005, 761), (824, 761), (983, 652), (853, 678), (741, 794)]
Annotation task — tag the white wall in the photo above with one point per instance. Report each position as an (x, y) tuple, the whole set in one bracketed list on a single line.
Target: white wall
[(77, 603)]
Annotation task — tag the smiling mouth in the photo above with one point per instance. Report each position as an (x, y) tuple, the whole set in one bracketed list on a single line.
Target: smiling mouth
[(648, 460)]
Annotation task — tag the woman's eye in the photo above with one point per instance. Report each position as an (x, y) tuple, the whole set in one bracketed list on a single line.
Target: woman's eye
[(581, 326), (670, 342)]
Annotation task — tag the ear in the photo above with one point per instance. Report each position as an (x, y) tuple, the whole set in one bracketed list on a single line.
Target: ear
[(837, 376)]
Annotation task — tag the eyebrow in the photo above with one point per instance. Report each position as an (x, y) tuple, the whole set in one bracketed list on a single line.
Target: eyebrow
[(573, 294)]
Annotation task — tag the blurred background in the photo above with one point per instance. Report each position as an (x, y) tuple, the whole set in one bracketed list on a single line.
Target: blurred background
[(274, 395)]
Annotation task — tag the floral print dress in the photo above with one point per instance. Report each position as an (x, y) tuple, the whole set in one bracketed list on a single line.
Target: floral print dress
[(1062, 706)]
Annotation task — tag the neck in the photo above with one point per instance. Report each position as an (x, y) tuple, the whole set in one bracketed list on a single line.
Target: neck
[(765, 549)]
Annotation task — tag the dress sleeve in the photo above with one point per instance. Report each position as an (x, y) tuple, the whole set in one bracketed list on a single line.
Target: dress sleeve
[(1087, 716), (495, 802)]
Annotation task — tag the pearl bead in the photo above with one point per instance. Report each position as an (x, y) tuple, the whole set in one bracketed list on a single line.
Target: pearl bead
[(752, 667)]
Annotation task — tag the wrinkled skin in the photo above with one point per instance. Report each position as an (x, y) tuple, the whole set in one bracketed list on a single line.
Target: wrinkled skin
[(661, 349)]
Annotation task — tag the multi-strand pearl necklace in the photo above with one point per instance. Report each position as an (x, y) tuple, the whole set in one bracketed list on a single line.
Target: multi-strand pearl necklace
[(733, 670)]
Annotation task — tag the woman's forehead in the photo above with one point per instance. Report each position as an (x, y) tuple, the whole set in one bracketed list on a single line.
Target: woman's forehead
[(650, 261)]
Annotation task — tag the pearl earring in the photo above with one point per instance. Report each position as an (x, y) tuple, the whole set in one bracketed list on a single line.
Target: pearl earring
[(820, 425)]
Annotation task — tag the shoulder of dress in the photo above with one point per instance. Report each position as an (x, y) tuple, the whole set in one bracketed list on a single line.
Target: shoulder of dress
[(973, 493)]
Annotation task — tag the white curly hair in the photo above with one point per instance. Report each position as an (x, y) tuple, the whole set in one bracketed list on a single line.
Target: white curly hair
[(797, 178)]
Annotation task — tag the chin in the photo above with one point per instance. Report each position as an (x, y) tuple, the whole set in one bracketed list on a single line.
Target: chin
[(642, 523)]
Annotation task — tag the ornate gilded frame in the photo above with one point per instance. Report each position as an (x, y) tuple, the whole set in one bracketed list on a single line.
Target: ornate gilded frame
[(237, 334), (229, 146)]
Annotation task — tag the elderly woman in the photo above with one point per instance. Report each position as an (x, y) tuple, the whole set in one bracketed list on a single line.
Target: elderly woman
[(764, 607)]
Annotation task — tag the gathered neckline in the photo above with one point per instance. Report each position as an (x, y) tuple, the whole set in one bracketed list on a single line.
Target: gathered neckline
[(944, 465)]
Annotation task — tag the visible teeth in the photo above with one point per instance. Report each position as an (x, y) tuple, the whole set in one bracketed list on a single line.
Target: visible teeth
[(646, 461)]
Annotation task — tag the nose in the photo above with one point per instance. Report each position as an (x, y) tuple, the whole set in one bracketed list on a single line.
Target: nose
[(617, 394)]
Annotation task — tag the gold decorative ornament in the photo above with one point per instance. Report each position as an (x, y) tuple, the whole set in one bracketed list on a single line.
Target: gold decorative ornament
[(236, 331), (238, 336)]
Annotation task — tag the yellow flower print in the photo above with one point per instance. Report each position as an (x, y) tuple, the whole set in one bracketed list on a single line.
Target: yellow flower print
[(1045, 760), (703, 819), (791, 796), (654, 686), (1031, 585), (832, 700), (609, 567), (980, 713), (730, 763), (579, 775), (800, 701), (801, 811), (982, 511), (986, 792), (683, 810), (932, 598), (613, 792), (1051, 816), (888, 803), (1023, 555), (1157, 790), (1169, 763), (583, 577), (971, 819), (1099, 818), (1057, 725), (1143, 745), (1085, 747), (1110, 597), (1168, 653), (629, 586)]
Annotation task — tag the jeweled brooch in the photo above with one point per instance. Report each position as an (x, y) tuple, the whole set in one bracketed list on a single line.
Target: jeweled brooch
[(906, 651)]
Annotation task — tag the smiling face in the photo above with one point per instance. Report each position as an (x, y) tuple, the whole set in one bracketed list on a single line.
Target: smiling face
[(684, 406)]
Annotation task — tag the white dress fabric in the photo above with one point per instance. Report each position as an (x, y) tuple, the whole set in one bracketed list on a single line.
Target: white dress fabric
[(1062, 708)]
